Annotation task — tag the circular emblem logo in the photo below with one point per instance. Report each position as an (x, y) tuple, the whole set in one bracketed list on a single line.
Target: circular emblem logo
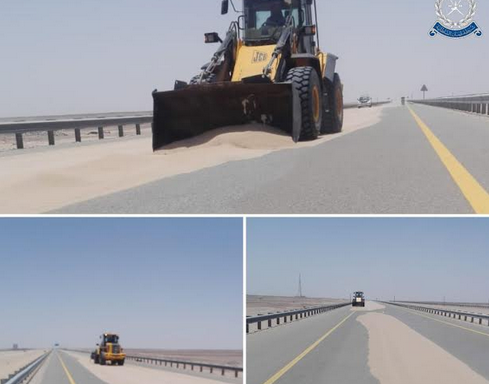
[(455, 13)]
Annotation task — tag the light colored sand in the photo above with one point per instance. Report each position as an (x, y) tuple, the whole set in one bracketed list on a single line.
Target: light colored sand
[(369, 306), (130, 374), (399, 355), (256, 304), (43, 181), (12, 361)]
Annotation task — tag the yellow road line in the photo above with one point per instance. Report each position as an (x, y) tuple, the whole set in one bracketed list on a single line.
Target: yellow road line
[(70, 378), (285, 369), (445, 322), (475, 194)]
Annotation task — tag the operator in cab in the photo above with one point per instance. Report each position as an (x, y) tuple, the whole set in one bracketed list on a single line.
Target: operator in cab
[(276, 18)]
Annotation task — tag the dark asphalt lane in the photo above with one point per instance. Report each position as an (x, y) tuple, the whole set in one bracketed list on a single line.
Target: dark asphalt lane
[(55, 373), (388, 168), (340, 358)]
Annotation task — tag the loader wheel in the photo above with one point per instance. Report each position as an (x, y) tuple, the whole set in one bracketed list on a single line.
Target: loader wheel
[(306, 82), (101, 360), (121, 362), (195, 80), (333, 106)]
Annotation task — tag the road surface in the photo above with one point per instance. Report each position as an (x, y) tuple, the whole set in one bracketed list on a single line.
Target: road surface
[(379, 344), (392, 167), (64, 367)]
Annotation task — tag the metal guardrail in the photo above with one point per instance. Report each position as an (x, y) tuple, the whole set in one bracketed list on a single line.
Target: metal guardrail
[(50, 125), (374, 104), (460, 315), (470, 103), (179, 363), (187, 364), (298, 314), (23, 373), (453, 304)]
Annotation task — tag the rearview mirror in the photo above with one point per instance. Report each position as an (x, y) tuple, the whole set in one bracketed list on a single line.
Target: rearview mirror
[(224, 7)]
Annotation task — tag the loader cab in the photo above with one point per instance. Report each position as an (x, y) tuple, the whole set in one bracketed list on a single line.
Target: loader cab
[(108, 338), (258, 14)]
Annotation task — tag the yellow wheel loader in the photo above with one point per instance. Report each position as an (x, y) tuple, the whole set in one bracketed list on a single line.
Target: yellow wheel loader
[(268, 69), (109, 350)]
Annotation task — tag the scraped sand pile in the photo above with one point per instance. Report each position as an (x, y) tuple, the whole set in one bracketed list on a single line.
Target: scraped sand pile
[(400, 355)]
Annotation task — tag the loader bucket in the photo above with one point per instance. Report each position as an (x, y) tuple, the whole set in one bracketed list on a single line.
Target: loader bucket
[(196, 109)]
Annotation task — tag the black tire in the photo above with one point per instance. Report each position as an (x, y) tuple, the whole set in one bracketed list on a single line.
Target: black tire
[(195, 80), (333, 106), (306, 82), (96, 359), (121, 362), (101, 360)]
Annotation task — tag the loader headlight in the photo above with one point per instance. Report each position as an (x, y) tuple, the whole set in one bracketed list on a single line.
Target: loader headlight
[(212, 37)]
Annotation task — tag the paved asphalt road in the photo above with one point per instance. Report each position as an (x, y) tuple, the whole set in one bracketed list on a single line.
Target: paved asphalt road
[(342, 357), (388, 168), (72, 372)]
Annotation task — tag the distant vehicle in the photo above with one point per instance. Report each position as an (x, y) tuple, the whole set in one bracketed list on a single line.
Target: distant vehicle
[(364, 101), (109, 350), (358, 299)]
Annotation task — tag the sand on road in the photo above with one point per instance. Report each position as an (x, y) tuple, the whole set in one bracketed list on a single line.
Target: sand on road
[(36, 182), (369, 306), (131, 374), (400, 355), (12, 361)]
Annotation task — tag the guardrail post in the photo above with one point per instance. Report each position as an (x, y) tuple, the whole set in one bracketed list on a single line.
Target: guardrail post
[(138, 129), (235, 373), (121, 131), (19, 140), (480, 321), (269, 323), (51, 137), (222, 373), (100, 133), (201, 368), (192, 367), (278, 320), (212, 369), (259, 325), (285, 318), (77, 135)]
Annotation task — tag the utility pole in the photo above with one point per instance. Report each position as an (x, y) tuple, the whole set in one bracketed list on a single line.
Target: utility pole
[(300, 285)]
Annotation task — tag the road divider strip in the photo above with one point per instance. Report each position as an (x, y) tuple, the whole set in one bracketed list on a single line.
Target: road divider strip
[(313, 346), (475, 194)]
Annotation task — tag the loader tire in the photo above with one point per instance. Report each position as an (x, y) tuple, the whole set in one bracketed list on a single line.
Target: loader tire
[(101, 360), (333, 106), (195, 80), (306, 82)]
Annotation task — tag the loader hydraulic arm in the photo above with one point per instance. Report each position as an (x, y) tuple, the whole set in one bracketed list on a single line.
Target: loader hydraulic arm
[(282, 42), (228, 41)]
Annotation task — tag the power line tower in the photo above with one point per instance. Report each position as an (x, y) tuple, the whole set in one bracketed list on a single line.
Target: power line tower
[(300, 287)]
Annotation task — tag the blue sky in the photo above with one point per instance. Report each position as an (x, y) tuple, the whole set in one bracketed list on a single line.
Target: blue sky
[(413, 259), (160, 283), (71, 56)]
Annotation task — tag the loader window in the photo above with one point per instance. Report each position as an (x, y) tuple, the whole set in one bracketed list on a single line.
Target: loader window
[(262, 22)]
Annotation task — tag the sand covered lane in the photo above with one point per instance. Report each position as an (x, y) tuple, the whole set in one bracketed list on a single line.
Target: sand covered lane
[(399, 355), (369, 306), (131, 374), (35, 182)]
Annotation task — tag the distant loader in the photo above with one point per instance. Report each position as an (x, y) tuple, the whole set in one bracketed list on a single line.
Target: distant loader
[(109, 350), (358, 299)]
